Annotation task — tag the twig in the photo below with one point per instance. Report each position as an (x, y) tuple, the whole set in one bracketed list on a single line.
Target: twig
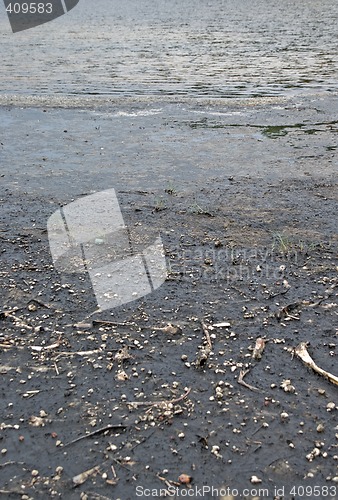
[(240, 380), (257, 430), (155, 403), (240, 292), (111, 323), (7, 346), (5, 313), (30, 394), (39, 348), (285, 311), (328, 294), (303, 354), (142, 440), (11, 463), (273, 295), (10, 492), (17, 321), (168, 482), (79, 353), (118, 462), (97, 431), (207, 334), (83, 476), (39, 303)]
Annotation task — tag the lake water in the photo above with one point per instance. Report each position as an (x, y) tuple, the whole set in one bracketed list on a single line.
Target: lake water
[(195, 48)]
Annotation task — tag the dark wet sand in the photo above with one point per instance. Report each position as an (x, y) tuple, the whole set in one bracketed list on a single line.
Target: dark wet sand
[(245, 198)]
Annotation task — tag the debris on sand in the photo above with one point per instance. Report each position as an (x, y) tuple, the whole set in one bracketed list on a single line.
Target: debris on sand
[(96, 432), (169, 328), (259, 348), (241, 381), (185, 479), (287, 386), (302, 353), (82, 478)]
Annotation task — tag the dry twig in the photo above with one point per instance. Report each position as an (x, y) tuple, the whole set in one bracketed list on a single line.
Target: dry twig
[(97, 431), (240, 380), (207, 334), (302, 353), (156, 403)]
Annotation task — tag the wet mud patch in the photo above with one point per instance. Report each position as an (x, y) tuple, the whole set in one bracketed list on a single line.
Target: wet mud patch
[(199, 378)]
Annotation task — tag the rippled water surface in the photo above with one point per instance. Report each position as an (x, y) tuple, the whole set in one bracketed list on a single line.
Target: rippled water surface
[(190, 48)]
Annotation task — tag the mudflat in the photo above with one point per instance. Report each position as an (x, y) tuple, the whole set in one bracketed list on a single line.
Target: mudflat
[(198, 387)]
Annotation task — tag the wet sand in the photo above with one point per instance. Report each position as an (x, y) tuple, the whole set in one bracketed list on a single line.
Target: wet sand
[(244, 195)]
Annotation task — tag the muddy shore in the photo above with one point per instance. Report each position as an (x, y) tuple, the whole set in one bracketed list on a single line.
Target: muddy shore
[(244, 196)]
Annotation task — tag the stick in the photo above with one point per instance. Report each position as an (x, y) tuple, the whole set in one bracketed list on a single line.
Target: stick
[(11, 463), (7, 346), (39, 348), (207, 334), (39, 303), (97, 431), (142, 441), (303, 354), (240, 380), (155, 403), (83, 476), (168, 482), (111, 323), (79, 353), (10, 492)]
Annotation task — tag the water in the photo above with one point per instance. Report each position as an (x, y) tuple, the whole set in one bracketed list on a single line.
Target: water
[(196, 48), (169, 90)]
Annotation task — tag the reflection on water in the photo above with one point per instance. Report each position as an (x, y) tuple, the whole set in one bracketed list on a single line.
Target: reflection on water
[(220, 48)]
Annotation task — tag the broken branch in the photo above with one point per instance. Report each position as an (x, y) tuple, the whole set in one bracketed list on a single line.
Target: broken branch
[(303, 354), (155, 403), (207, 334), (241, 381), (97, 431)]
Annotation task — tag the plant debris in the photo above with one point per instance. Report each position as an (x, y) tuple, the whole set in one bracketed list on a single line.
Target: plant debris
[(302, 353)]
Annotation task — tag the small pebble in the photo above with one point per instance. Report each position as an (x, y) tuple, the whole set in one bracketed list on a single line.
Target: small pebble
[(255, 480)]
